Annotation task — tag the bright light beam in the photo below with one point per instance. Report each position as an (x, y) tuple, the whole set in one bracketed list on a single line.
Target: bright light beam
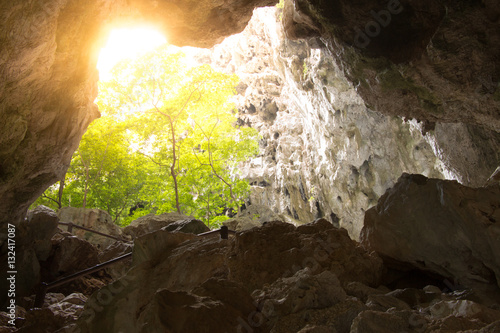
[(126, 43)]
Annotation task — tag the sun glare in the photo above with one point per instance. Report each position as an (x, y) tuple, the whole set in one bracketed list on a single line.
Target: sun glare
[(126, 43)]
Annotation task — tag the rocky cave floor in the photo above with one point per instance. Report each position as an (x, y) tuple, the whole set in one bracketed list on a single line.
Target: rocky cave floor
[(272, 276)]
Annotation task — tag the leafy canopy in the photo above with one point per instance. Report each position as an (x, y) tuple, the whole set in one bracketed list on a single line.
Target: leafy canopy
[(166, 141)]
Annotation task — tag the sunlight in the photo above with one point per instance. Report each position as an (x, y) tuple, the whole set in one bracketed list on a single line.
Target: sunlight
[(126, 43)]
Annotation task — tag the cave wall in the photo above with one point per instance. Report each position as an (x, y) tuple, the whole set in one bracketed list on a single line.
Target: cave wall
[(432, 60), (436, 61), (48, 76), (324, 153)]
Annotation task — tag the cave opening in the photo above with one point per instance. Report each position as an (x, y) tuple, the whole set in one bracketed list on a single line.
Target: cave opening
[(167, 139)]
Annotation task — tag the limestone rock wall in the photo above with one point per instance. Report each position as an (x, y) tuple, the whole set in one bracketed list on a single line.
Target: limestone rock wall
[(324, 153)]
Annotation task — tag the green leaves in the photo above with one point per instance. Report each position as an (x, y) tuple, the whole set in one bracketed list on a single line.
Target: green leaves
[(166, 138)]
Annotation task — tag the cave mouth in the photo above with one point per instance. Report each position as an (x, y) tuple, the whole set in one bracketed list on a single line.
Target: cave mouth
[(165, 140)]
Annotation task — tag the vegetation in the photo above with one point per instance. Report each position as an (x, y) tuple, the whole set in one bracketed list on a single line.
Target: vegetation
[(166, 141)]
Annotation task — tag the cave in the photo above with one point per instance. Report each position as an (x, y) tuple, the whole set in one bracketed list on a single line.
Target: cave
[(381, 124)]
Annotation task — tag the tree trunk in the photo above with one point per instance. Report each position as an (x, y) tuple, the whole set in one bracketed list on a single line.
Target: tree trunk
[(172, 167), (61, 190)]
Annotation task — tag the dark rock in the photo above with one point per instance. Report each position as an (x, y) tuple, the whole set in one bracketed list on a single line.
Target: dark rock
[(70, 255), (414, 297), (378, 322), (189, 226), (319, 246), (439, 226), (42, 223), (152, 222)]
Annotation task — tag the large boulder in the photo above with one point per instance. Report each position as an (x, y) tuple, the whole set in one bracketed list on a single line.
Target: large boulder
[(95, 219), (151, 222), (278, 249), (70, 254), (189, 226), (439, 226), (255, 216), (37, 230), (33, 245)]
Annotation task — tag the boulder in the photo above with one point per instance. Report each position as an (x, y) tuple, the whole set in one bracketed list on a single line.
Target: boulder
[(36, 231), (70, 254), (152, 222), (57, 311), (173, 273), (113, 251), (33, 245), (278, 249), (439, 226), (188, 226), (379, 322), (361, 291), (253, 216), (301, 291), (95, 219)]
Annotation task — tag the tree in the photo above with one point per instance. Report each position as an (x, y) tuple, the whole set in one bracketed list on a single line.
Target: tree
[(104, 172), (187, 125), (167, 137)]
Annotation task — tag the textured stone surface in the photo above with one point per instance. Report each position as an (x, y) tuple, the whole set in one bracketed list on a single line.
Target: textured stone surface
[(189, 226), (323, 152), (57, 311), (218, 277), (317, 245), (429, 60), (40, 225), (95, 219), (32, 245), (255, 216), (302, 291), (70, 255), (152, 222), (372, 321), (440, 226), (48, 76), (311, 278)]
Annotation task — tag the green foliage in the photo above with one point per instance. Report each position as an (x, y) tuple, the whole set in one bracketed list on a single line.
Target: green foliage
[(167, 138), (217, 221), (280, 5)]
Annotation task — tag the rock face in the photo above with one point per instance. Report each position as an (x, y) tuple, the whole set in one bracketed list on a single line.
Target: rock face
[(324, 152), (48, 76), (181, 272), (430, 60), (311, 279), (276, 278), (95, 219), (440, 226), (170, 221), (255, 216), (33, 245)]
